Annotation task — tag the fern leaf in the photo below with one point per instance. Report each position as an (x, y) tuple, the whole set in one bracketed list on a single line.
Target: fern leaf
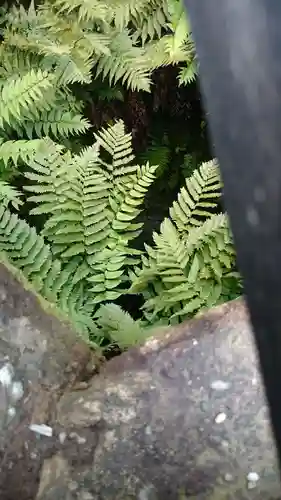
[(9, 195), (126, 63), (119, 327), (55, 123), (22, 97), (188, 73), (133, 199), (25, 248), (19, 150), (87, 9), (198, 196)]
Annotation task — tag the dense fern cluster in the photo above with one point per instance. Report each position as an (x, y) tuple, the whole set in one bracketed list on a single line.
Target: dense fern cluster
[(192, 264), (90, 202), (90, 198)]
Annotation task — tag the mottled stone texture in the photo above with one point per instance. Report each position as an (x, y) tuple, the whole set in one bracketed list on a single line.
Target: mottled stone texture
[(40, 357), (182, 417)]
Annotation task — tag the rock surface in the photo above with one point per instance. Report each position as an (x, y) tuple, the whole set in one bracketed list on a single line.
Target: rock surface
[(182, 417), (40, 357)]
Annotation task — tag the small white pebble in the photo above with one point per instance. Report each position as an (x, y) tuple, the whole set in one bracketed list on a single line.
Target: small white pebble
[(253, 477), (11, 411), (220, 418), (148, 430), (6, 375), (220, 385), (42, 429), (62, 437), (17, 391), (195, 342), (228, 477), (224, 443), (79, 439)]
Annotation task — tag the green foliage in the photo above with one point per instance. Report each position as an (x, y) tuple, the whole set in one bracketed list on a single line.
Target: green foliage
[(123, 40), (192, 263), (89, 199), (119, 327), (90, 202)]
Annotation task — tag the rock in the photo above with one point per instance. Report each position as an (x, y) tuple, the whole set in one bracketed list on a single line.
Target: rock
[(40, 357), (181, 417)]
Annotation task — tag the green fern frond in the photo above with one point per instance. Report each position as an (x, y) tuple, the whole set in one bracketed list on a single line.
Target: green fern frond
[(55, 123), (19, 150), (151, 21), (129, 209), (119, 327), (191, 263), (16, 63), (50, 173), (24, 96), (29, 253), (118, 144), (188, 73), (9, 195), (76, 197), (197, 197), (126, 63), (87, 9)]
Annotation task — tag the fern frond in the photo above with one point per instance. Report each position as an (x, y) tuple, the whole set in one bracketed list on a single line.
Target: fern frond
[(151, 20), (118, 144), (28, 251), (129, 209), (24, 96), (55, 123), (191, 263), (58, 283), (76, 197), (50, 173), (197, 197), (126, 63), (9, 195), (87, 9), (109, 275), (16, 63), (119, 327), (188, 73), (19, 150)]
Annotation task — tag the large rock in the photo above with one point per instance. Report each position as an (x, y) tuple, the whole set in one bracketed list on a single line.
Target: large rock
[(181, 417), (40, 358)]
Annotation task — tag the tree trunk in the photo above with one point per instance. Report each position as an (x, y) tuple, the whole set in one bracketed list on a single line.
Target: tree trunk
[(181, 417)]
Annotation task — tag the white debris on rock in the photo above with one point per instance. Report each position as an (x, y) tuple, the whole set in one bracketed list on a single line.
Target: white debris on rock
[(220, 418), (6, 374), (62, 437), (17, 391), (11, 411), (220, 385), (253, 477), (42, 429)]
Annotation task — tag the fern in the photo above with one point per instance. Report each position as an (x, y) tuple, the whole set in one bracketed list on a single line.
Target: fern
[(54, 280), (192, 263), (19, 150), (91, 206), (20, 95), (9, 195), (119, 327), (197, 197)]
